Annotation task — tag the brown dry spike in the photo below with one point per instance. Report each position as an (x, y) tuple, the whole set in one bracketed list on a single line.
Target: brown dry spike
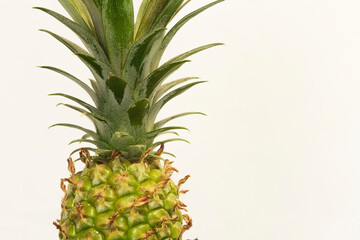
[(112, 218), (187, 219), (69, 180), (85, 156), (169, 220), (181, 205), (123, 173), (71, 166), (59, 227), (149, 234), (182, 181), (170, 170), (164, 222), (145, 154), (162, 183), (115, 154), (183, 191), (141, 201), (79, 208), (160, 150), (144, 190), (167, 163), (187, 226), (148, 192), (62, 185), (100, 194)]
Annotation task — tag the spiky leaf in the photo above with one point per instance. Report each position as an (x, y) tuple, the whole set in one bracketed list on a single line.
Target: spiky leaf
[(147, 87), (161, 90), (166, 120), (117, 86), (78, 12), (84, 86), (154, 110), (88, 39), (135, 67), (138, 111), (118, 22)]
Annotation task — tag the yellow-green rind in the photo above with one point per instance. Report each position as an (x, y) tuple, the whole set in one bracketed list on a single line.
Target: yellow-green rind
[(121, 201)]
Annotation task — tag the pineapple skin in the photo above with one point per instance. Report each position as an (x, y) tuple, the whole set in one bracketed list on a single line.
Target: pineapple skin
[(122, 201)]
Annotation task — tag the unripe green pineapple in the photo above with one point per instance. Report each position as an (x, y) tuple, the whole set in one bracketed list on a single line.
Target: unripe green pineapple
[(122, 200), (125, 191)]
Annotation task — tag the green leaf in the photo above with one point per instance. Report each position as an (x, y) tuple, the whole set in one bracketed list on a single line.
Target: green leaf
[(84, 86), (78, 101), (103, 151), (134, 151), (79, 149), (93, 134), (94, 116), (166, 14), (87, 60), (85, 136), (137, 61), (117, 86), (75, 15), (96, 88), (78, 109), (156, 132), (154, 110), (87, 38), (151, 82), (166, 120), (140, 16), (169, 140), (121, 140), (166, 87), (69, 44), (93, 64), (90, 115), (171, 33), (78, 12), (102, 69), (118, 22), (95, 13), (180, 8), (169, 132), (99, 144), (192, 52), (148, 12), (184, 20), (138, 112), (170, 154)]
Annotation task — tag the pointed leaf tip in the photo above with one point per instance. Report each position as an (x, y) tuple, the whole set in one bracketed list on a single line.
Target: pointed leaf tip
[(117, 87)]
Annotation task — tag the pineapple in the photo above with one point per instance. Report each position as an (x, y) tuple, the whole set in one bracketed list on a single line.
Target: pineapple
[(125, 190)]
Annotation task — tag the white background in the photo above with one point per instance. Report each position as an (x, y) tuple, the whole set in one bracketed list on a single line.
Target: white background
[(278, 156)]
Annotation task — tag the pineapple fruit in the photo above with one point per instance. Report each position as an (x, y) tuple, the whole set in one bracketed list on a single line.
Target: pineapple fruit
[(125, 191)]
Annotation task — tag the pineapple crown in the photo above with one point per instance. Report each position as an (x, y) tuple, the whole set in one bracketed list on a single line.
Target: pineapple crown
[(127, 88)]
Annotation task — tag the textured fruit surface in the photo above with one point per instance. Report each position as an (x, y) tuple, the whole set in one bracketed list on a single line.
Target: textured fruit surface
[(122, 200)]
